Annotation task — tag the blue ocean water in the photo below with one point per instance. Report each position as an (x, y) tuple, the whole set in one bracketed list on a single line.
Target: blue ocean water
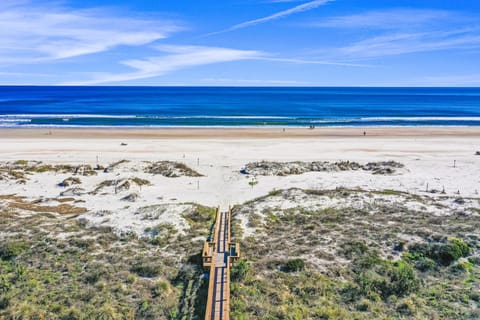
[(27, 106)]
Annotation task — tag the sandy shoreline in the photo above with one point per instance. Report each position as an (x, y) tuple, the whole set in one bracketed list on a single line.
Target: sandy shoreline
[(234, 133), (439, 159), (220, 154)]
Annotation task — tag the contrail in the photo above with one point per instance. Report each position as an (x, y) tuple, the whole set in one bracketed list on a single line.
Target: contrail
[(300, 8)]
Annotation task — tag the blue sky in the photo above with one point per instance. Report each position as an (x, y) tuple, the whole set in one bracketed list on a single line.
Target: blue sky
[(241, 42)]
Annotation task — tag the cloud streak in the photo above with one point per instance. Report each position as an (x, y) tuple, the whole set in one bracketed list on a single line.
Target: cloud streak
[(311, 61), (405, 43), (282, 14), (401, 31), (35, 33), (387, 19), (176, 57)]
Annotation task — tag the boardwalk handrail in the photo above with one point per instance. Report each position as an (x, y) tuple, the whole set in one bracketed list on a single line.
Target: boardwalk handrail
[(211, 285), (218, 255), (229, 223), (211, 276), (217, 222)]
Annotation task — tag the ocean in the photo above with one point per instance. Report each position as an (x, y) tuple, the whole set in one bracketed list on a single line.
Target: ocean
[(36, 106)]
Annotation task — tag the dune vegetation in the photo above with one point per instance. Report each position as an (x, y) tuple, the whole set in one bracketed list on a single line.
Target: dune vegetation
[(360, 259), (306, 254), (52, 267)]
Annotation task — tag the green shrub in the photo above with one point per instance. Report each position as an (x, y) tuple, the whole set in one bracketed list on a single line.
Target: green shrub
[(252, 183), (240, 271), (425, 264), (160, 288), (186, 272), (406, 307), (201, 215), (5, 284), (294, 265), (447, 253), (461, 245), (418, 250), (354, 249), (363, 305), (350, 292), (159, 241), (10, 250), (462, 267), (403, 279), (147, 270), (94, 274), (444, 253), (474, 260), (82, 243), (388, 278), (4, 302)]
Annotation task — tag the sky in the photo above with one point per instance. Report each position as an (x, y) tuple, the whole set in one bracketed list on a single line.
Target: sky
[(240, 42)]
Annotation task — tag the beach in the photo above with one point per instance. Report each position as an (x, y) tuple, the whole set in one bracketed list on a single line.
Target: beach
[(279, 159), (219, 154), (304, 193)]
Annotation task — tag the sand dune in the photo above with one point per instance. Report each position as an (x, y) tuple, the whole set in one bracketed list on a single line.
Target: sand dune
[(432, 162)]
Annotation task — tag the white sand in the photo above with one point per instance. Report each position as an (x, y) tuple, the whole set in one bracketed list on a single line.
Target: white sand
[(428, 159)]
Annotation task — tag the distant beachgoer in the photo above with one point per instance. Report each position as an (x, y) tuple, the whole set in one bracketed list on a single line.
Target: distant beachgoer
[(364, 133)]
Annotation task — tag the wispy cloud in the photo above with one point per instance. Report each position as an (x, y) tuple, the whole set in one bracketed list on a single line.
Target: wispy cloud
[(32, 32), (387, 19), (282, 14), (312, 61), (176, 57), (404, 43), (401, 31)]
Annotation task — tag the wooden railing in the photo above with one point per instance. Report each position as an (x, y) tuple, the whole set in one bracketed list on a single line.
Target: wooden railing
[(209, 256), (211, 286)]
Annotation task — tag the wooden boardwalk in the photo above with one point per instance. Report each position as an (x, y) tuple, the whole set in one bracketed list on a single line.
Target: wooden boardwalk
[(218, 255)]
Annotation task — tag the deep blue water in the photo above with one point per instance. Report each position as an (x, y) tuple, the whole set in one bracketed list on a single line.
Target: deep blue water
[(239, 106)]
